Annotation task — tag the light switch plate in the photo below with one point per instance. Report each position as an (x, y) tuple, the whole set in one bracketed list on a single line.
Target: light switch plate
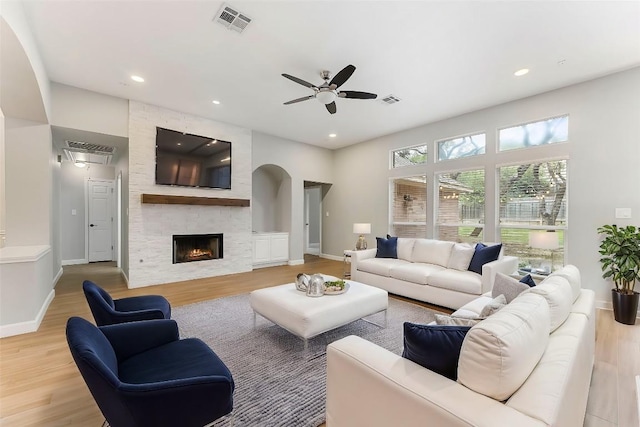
[(623, 213)]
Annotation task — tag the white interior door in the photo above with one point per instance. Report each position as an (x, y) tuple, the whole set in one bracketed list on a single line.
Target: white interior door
[(306, 221), (100, 216)]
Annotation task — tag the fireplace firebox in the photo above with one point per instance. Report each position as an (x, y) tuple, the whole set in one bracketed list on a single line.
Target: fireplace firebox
[(196, 247)]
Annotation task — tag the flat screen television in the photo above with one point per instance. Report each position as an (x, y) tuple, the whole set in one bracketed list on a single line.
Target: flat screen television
[(189, 160)]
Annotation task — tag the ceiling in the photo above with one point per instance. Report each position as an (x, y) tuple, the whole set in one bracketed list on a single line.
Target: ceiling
[(441, 59)]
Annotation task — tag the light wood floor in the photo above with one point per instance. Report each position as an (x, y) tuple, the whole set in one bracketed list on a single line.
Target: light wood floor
[(41, 386)]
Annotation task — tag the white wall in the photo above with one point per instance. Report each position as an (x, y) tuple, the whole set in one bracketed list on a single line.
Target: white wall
[(603, 150), (72, 198), (28, 186), (3, 180), (123, 167), (303, 162), (13, 14), (81, 109), (151, 226), (56, 241), (264, 191)]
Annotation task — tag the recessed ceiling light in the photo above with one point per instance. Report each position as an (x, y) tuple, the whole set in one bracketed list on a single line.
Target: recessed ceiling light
[(179, 143), (215, 101), (332, 135), (521, 72), (137, 79)]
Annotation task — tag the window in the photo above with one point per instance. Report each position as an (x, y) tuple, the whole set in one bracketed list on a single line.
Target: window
[(409, 156), (534, 134), (533, 213), (465, 146), (460, 215), (409, 206)]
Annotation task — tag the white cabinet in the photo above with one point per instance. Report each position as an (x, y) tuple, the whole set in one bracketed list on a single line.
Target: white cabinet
[(270, 249)]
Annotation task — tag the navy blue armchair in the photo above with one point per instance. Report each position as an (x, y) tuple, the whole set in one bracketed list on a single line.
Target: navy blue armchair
[(141, 374), (107, 311)]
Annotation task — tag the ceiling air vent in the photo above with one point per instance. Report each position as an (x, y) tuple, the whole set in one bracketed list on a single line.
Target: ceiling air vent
[(85, 152), (232, 19), (390, 99), (93, 148)]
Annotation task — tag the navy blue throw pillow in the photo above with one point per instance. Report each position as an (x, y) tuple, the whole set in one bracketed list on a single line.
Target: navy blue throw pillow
[(528, 280), (387, 248), (435, 347), (482, 255)]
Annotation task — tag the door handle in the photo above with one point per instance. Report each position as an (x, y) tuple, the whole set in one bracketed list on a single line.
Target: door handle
[(91, 225)]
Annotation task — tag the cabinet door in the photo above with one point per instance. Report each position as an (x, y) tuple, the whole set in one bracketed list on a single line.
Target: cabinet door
[(261, 249), (280, 247)]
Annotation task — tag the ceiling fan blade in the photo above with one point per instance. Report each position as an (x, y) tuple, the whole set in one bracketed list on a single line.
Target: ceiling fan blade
[(304, 98), (354, 94), (342, 76), (331, 107), (299, 81)]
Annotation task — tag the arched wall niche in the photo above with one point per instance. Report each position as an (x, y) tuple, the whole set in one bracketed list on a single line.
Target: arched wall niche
[(271, 199)]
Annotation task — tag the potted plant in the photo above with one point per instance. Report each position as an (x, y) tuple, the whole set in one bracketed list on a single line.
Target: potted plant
[(620, 261)]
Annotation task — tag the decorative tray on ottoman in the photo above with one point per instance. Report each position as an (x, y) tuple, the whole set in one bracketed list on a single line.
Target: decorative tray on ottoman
[(336, 290)]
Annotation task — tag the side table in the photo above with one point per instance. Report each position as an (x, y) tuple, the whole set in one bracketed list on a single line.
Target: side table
[(346, 259)]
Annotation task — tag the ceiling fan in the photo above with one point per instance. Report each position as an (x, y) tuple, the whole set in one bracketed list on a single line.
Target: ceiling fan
[(328, 91)]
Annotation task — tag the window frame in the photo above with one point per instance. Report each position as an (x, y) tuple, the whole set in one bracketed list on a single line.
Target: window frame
[(391, 205), (498, 129), (437, 142), (393, 150)]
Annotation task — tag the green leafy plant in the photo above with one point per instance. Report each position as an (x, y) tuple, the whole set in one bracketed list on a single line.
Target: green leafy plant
[(620, 256)]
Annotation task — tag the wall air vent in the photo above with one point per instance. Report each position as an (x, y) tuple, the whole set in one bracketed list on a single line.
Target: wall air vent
[(390, 99), (93, 148), (232, 19)]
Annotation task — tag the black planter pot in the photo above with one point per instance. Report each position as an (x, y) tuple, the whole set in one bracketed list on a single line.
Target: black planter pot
[(625, 307)]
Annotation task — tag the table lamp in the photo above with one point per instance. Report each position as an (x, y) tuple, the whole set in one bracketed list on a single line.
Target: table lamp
[(361, 229), (544, 240)]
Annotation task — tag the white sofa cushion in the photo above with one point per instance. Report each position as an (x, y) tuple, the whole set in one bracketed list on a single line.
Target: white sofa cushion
[(405, 248), (461, 255), (499, 353), (557, 291), (414, 272), (467, 282), (431, 251), (380, 266), (572, 274)]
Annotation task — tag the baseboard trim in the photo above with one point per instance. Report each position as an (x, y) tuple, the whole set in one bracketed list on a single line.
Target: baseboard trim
[(55, 279), (296, 261), (124, 276), (74, 261), (332, 257), (30, 325)]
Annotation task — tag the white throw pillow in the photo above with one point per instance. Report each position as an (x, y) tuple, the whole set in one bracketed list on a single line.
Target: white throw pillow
[(507, 286), (557, 291), (432, 251), (499, 353), (494, 306), (443, 320), (461, 255)]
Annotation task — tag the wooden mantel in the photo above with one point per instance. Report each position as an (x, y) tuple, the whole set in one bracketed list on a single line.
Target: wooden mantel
[(163, 199)]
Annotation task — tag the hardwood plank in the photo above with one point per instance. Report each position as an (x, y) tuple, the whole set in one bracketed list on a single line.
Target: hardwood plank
[(41, 386), (603, 393)]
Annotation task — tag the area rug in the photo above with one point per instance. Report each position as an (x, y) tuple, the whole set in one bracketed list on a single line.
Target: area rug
[(279, 383)]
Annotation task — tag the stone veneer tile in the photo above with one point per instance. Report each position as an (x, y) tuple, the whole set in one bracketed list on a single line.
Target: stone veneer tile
[(151, 227)]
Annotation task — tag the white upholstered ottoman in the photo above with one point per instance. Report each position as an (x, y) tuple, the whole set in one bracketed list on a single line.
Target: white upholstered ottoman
[(307, 317)]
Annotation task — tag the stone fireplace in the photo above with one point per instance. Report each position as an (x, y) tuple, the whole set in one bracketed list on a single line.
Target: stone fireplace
[(197, 247)]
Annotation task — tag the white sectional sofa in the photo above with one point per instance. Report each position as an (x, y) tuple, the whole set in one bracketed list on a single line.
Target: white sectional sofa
[(432, 271), (529, 364)]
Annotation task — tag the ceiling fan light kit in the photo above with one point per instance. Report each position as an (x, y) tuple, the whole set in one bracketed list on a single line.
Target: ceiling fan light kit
[(327, 92)]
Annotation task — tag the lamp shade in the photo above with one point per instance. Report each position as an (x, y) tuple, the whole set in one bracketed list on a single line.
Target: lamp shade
[(544, 240), (361, 228)]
